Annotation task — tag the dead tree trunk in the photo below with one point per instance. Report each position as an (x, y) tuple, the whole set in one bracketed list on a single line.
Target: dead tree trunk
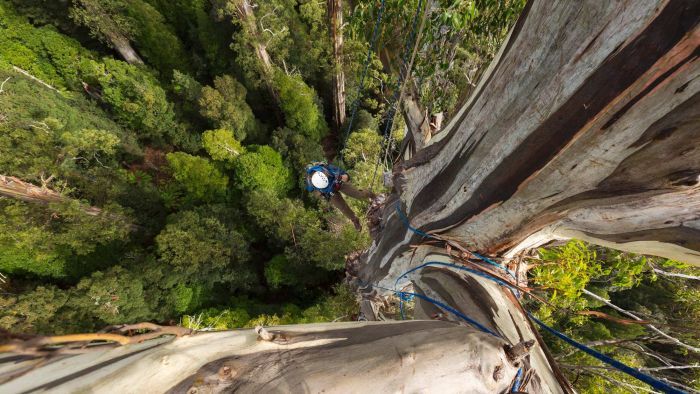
[(248, 21), (95, 18), (16, 188), (585, 125), (335, 29)]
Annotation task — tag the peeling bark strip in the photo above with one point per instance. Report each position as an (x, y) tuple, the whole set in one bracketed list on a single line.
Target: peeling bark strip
[(588, 104), (608, 82), (414, 356)]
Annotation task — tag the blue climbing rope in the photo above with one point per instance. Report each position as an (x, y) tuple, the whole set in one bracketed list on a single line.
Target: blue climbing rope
[(653, 382), (456, 266), (516, 385), (407, 222), (446, 307), (360, 87), (635, 373)]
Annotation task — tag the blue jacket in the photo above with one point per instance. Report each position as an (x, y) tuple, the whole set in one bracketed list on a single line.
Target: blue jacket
[(332, 172)]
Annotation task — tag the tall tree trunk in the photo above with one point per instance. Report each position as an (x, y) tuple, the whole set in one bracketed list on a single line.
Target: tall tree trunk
[(123, 46), (585, 128), (95, 18), (335, 29), (267, 70), (585, 124)]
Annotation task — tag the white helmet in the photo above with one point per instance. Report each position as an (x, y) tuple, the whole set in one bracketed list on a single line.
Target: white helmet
[(319, 180)]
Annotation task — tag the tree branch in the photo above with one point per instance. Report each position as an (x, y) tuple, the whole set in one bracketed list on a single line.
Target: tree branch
[(635, 317), (33, 78), (674, 274)]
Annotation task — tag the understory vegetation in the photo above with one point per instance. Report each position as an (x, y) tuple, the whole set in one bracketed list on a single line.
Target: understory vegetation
[(581, 288)]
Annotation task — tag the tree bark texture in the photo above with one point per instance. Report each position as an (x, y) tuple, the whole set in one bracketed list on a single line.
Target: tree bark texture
[(412, 356), (584, 125), (335, 29)]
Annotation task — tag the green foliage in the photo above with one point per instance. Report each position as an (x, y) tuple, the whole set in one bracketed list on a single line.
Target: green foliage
[(90, 143), (186, 87), (225, 107), (135, 97), (300, 106), (111, 297), (201, 248), (40, 239), (43, 52), (198, 177), (222, 145), (314, 242), (341, 305), (567, 270), (627, 281), (363, 145), (261, 168), (297, 150), (276, 273), (155, 39), (33, 311)]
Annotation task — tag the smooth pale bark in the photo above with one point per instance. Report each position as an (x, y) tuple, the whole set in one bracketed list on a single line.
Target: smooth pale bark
[(335, 30), (416, 118), (412, 356), (585, 124)]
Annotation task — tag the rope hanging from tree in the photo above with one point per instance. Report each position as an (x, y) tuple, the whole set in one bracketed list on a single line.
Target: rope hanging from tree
[(404, 71)]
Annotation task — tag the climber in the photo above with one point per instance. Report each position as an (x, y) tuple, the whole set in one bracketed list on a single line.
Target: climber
[(329, 181)]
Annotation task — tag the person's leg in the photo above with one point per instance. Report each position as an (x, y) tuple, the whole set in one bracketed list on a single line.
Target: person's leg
[(352, 191), (339, 202)]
